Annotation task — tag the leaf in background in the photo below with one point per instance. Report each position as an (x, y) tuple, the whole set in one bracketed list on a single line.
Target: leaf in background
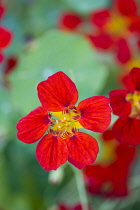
[(86, 6), (5, 111)]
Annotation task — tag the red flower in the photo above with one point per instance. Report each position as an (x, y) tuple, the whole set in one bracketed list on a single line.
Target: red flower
[(58, 95), (126, 104), (5, 40), (117, 25), (110, 179)]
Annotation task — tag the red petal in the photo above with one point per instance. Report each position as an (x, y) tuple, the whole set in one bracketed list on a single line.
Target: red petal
[(135, 24), (5, 37), (63, 207), (82, 150), (33, 126), (127, 131), (57, 92), (135, 77), (100, 17), (2, 11), (95, 113), (1, 57), (123, 51), (51, 152), (70, 21), (102, 40), (119, 105), (108, 135), (125, 155), (127, 82), (11, 63), (127, 7)]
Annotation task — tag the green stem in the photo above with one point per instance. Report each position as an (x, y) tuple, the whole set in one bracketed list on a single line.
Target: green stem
[(81, 188)]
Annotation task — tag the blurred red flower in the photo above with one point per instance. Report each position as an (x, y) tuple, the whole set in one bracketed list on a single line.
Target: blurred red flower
[(114, 28), (58, 95), (110, 179), (126, 104)]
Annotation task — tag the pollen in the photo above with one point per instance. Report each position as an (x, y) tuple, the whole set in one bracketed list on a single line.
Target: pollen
[(134, 98), (66, 123)]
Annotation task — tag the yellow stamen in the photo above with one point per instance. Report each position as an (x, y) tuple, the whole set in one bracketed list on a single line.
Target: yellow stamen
[(134, 98), (66, 123)]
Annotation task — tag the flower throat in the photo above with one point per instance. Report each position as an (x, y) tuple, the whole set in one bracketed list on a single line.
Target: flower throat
[(66, 123)]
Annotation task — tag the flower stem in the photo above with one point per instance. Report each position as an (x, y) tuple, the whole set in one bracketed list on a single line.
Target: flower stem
[(81, 188)]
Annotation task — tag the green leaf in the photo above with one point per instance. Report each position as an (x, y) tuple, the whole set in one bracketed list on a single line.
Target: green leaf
[(86, 6), (5, 111)]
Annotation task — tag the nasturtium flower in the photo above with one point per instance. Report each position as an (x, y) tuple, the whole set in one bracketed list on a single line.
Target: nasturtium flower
[(109, 175), (126, 104), (62, 119), (116, 28)]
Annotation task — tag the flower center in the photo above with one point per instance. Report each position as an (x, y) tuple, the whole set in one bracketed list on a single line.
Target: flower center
[(117, 25), (66, 123), (107, 156), (134, 62), (134, 98)]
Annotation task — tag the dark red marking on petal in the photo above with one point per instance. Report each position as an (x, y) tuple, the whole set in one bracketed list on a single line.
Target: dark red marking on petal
[(57, 92), (33, 126), (5, 37), (127, 131), (127, 7), (119, 104), (100, 17), (51, 152), (95, 113), (82, 150), (135, 77)]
